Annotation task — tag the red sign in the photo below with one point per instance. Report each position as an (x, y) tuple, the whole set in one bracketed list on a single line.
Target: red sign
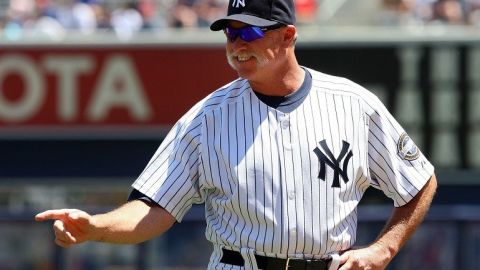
[(94, 88)]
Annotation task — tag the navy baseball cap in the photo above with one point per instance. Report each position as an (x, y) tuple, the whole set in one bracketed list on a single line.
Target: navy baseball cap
[(261, 13)]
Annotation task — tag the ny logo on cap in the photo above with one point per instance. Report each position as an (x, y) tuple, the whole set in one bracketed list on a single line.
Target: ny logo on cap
[(237, 3)]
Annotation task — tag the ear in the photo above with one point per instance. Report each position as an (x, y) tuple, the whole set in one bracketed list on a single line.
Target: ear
[(289, 34)]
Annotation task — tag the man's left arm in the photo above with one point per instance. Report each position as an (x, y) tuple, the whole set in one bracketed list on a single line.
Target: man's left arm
[(400, 227)]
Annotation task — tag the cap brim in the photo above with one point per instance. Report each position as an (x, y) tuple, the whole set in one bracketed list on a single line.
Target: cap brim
[(248, 19)]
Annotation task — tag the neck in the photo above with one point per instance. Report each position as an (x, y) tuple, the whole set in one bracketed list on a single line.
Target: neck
[(282, 81)]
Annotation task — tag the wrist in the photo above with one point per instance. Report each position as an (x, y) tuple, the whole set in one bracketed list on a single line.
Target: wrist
[(97, 231), (383, 250)]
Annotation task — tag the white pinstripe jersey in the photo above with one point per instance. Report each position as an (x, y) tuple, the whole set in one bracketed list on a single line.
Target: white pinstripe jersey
[(267, 178)]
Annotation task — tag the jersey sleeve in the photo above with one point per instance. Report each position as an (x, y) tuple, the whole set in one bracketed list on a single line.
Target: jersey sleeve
[(171, 177), (395, 164), (137, 195)]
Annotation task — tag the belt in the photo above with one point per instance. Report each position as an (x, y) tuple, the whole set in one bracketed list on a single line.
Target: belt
[(269, 263)]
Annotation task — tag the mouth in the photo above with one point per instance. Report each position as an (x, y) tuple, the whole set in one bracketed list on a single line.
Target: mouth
[(243, 57)]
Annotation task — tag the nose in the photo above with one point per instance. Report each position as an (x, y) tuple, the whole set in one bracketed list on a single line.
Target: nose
[(238, 44)]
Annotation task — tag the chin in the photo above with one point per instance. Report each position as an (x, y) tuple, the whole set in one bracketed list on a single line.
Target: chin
[(248, 70), (245, 70), (246, 74)]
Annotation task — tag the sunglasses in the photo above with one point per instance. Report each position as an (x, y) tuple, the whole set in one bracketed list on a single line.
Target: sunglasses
[(248, 33)]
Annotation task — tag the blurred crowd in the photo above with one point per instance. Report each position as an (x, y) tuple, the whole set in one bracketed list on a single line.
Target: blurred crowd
[(126, 17), (54, 18), (425, 12)]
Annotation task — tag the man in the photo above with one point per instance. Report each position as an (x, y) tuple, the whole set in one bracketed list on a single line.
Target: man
[(280, 157)]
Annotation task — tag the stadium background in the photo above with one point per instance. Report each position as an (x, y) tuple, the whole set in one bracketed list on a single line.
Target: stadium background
[(81, 113)]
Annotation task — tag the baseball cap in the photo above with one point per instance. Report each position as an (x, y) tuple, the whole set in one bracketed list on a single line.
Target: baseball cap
[(261, 13)]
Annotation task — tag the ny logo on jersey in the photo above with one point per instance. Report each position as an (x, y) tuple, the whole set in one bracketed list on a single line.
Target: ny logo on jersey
[(334, 163), (237, 3)]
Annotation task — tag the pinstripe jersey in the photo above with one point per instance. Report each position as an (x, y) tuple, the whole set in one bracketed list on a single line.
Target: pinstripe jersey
[(283, 184)]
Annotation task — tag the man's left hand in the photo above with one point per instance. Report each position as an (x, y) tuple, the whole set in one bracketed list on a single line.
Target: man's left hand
[(372, 257)]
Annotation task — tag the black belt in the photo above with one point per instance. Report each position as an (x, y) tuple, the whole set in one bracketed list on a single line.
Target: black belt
[(270, 263)]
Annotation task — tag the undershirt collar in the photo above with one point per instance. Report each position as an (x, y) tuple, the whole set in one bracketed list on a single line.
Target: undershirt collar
[(289, 103)]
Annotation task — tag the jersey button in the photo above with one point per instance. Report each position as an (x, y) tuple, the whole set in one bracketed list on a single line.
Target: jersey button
[(291, 195), (285, 124), (287, 146)]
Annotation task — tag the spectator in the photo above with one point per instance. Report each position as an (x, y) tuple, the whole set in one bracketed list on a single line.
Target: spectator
[(44, 6), (147, 9), (184, 15), (63, 12), (22, 9), (84, 16), (197, 13), (474, 18), (126, 20), (406, 12), (102, 16), (472, 12), (448, 12), (46, 27), (209, 11), (18, 13), (12, 29)]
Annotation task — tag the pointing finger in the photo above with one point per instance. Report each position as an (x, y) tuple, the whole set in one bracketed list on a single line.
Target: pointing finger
[(53, 214)]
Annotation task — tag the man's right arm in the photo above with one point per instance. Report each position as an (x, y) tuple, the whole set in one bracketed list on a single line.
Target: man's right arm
[(133, 222)]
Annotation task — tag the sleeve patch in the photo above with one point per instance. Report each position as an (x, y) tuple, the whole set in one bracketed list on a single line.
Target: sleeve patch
[(406, 148)]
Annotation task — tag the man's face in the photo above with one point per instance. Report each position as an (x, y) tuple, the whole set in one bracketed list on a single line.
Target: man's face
[(252, 59)]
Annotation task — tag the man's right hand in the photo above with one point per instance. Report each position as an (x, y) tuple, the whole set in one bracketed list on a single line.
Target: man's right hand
[(133, 222), (71, 226)]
